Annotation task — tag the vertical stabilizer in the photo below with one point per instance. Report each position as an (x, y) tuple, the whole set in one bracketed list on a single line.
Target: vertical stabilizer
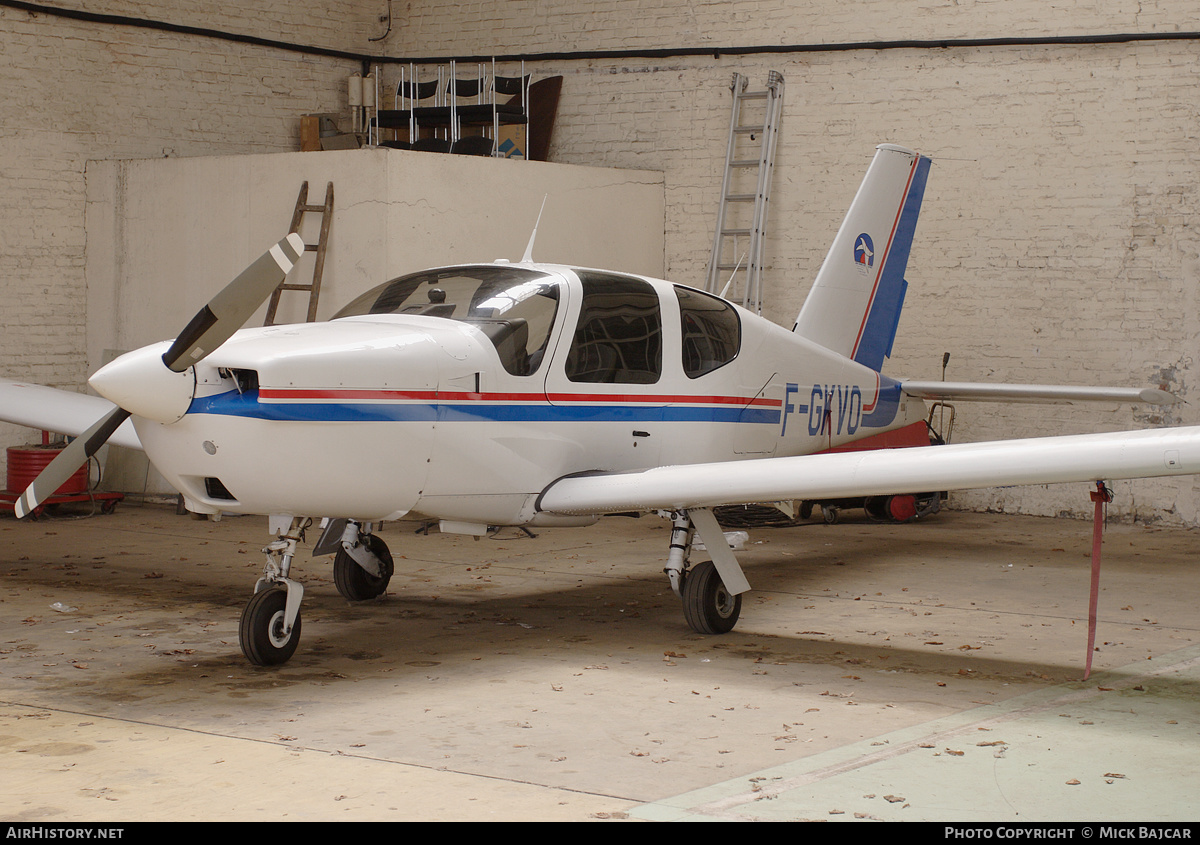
[(854, 305)]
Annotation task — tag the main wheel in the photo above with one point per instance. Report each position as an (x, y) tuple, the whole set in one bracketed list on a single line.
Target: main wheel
[(354, 582), (261, 630), (708, 607)]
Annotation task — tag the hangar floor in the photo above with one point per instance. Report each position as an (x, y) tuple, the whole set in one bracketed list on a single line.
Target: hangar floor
[(918, 672)]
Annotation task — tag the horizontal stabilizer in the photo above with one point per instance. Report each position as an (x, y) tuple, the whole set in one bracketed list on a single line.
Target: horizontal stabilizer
[(1041, 393), (1006, 463)]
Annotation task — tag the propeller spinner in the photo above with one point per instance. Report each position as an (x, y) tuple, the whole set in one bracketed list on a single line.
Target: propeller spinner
[(133, 382)]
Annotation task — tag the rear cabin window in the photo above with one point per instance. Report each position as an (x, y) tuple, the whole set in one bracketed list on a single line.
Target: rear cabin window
[(712, 332), (618, 339), (512, 306)]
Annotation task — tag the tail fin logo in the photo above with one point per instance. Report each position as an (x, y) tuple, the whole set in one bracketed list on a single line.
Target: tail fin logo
[(864, 253)]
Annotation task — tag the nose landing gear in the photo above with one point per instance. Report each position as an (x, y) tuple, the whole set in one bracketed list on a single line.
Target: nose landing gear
[(265, 635), (269, 631)]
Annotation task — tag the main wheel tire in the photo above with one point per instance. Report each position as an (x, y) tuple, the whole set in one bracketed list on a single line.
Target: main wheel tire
[(708, 607), (261, 630), (354, 582)]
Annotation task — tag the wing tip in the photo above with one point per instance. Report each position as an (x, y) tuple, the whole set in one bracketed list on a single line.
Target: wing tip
[(1157, 396)]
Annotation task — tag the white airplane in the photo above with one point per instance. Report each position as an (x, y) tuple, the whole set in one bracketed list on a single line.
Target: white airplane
[(525, 394)]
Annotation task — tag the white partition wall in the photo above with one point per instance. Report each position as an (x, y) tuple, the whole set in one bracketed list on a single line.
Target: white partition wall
[(164, 235)]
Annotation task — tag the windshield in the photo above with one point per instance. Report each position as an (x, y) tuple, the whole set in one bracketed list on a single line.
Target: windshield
[(513, 306)]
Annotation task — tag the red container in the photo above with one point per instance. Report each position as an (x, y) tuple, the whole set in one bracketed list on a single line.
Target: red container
[(25, 463)]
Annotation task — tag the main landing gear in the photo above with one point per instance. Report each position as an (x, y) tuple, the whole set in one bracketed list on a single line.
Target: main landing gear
[(362, 566), (708, 606), (712, 589), (270, 626)]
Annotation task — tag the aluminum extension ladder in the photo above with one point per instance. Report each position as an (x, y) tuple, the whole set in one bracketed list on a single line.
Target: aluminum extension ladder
[(314, 289), (737, 253)]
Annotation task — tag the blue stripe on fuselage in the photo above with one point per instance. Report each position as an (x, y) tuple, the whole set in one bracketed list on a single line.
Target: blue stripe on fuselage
[(887, 404), (247, 405)]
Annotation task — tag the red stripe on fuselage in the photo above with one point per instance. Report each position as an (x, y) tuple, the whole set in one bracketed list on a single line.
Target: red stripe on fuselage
[(275, 394)]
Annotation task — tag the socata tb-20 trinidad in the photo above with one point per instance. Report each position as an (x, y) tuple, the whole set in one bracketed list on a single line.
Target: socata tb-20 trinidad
[(526, 394)]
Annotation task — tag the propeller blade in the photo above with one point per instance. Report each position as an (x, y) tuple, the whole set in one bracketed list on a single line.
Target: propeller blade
[(214, 324), (59, 470), (228, 311)]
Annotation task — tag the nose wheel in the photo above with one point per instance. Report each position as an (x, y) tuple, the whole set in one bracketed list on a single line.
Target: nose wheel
[(269, 630), (265, 637)]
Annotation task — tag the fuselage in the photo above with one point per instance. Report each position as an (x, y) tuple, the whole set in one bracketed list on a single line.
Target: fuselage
[(461, 393)]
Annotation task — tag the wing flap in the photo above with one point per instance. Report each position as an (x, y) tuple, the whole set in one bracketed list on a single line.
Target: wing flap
[(1046, 393), (59, 411), (1006, 463)]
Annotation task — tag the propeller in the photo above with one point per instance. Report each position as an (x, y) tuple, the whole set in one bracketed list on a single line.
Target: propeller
[(213, 324)]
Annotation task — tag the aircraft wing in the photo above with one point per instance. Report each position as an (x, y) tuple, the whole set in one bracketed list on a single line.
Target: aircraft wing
[(59, 411), (1004, 463), (956, 390)]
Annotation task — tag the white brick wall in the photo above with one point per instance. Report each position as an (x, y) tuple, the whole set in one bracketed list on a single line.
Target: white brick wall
[(1057, 243)]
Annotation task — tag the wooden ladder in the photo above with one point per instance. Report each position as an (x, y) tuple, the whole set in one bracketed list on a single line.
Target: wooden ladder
[(314, 289)]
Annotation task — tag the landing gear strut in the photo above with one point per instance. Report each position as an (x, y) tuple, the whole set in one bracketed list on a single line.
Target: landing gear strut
[(270, 626), (709, 605)]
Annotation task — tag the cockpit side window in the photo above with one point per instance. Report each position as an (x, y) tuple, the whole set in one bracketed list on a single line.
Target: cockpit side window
[(618, 339), (513, 307), (712, 332)]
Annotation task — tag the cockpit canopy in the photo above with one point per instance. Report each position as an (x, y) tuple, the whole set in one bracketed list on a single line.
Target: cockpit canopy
[(618, 333), (513, 307)]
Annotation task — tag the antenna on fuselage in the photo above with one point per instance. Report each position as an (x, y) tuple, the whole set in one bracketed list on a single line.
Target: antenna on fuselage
[(527, 258), (732, 276)]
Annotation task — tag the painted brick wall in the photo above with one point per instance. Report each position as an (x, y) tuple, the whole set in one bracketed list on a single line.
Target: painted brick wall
[(74, 91)]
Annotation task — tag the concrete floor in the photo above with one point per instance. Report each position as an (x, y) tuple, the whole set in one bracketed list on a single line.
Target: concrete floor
[(918, 672)]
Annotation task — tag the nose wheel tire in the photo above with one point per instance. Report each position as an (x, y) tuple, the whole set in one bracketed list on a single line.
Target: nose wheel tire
[(355, 583), (708, 607), (261, 633)]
